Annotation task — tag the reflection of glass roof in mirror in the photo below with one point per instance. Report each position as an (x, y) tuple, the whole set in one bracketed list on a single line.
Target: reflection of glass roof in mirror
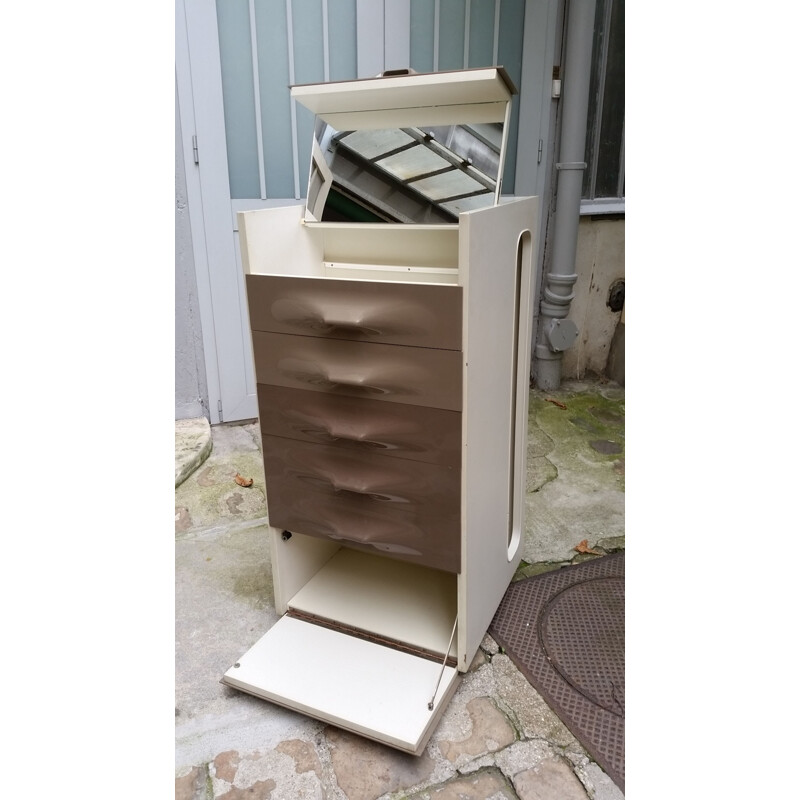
[(376, 144), (419, 174), (449, 186), (413, 163)]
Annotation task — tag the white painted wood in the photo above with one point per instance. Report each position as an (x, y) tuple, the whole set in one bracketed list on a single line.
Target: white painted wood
[(397, 118), (293, 109), (294, 562), (436, 20), (489, 243), (257, 101), (357, 685), (365, 687), (369, 33), (526, 255), (377, 243), (402, 601), (467, 15), (537, 112), (183, 80), (395, 273), (385, 227), (229, 356), (396, 34), (536, 107), (256, 205), (326, 48), (502, 163), (496, 36), (276, 242), (409, 93), (322, 172)]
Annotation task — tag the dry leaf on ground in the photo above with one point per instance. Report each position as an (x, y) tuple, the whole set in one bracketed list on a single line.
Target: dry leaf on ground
[(243, 481), (583, 547), (555, 402)]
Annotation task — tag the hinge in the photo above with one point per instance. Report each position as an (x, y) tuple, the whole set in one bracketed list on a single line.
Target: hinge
[(194, 150), (219, 408), (555, 87), (539, 154)]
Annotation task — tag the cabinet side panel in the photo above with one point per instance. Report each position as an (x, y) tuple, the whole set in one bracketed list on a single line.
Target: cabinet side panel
[(490, 262), (274, 241), (295, 560)]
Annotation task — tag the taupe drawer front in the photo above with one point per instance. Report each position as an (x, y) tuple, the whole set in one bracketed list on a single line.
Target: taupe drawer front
[(405, 509), (432, 435), (414, 375), (393, 313)]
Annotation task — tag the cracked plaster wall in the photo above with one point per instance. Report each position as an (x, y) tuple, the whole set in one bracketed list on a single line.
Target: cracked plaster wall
[(599, 261)]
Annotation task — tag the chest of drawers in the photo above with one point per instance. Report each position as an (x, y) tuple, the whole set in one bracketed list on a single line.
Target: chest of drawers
[(391, 363), (359, 399)]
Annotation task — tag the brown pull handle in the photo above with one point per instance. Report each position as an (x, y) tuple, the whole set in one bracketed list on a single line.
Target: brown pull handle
[(311, 318), (329, 432), (345, 326), (349, 484), (358, 482), (384, 535), (363, 489), (355, 382), (319, 375), (322, 324)]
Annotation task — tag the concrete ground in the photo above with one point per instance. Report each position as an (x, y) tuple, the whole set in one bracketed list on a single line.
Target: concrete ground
[(497, 738)]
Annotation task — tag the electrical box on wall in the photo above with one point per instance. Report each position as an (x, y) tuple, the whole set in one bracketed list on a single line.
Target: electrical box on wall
[(391, 325)]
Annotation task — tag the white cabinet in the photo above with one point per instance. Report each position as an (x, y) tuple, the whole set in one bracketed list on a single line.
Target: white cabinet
[(391, 323)]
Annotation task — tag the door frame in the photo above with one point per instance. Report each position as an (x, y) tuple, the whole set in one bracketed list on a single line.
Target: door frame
[(220, 284), (194, 202)]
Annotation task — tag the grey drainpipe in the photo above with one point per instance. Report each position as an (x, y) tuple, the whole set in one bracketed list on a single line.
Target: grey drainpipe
[(556, 332)]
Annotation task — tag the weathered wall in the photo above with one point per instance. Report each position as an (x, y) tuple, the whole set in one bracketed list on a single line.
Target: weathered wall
[(599, 261), (615, 369), (191, 394)]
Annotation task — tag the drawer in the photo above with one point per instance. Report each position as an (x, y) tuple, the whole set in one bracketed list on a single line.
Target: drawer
[(390, 313), (415, 375), (425, 434), (400, 508)]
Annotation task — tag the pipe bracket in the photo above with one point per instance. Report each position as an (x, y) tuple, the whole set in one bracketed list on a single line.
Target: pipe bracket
[(558, 299), (551, 311), (571, 165), (563, 280)]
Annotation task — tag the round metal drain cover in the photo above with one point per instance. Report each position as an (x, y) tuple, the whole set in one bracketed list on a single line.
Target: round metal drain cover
[(582, 630)]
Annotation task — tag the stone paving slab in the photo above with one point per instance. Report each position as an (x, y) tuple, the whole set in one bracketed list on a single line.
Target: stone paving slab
[(576, 490), (192, 446), (210, 497)]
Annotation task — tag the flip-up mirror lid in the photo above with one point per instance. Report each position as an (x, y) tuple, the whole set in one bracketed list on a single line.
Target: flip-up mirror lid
[(407, 147), (397, 101)]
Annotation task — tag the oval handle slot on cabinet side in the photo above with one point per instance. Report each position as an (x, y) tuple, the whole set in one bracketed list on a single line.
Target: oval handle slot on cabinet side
[(519, 382)]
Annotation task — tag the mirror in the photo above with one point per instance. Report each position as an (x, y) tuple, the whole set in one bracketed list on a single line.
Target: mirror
[(420, 174)]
